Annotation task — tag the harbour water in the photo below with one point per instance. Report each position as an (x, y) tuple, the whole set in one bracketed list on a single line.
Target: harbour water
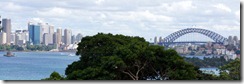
[(34, 65)]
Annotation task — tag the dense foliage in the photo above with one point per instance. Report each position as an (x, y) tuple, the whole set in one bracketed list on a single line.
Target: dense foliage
[(207, 62), (118, 57), (231, 71)]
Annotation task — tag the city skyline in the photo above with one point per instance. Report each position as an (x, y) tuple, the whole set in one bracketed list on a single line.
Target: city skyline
[(142, 18)]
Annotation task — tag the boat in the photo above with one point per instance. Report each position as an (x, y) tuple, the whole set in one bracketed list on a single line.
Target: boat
[(9, 54)]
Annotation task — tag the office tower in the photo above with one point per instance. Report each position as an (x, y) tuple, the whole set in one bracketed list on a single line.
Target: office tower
[(59, 36), (230, 40), (160, 39), (55, 38), (47, 39), (155, 40), (18, 39), (51, 31), (235, 38), (3, 38), (78, 37), (6, 25), (67, 36), (34, 33), (73, 39), (25, 35), (12, 38), (44, 29)]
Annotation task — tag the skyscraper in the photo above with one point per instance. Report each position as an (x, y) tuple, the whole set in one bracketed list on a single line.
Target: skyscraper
[(3, 38), (155, 40), (55, 38), (34, 33), (78, 37), (67, 36), (7, 29), (44, 29), (59, 36), (46, 38), (73, 39), (51, 31)]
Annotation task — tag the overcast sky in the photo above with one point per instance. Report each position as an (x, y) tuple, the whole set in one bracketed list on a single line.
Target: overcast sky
[(144, 18)]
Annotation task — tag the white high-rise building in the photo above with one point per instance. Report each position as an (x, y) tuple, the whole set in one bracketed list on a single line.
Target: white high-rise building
[(3, 38), (51, 31), (155, 40), (59, 37), (67, 37), (47, 39), (78, 37), (6, 25)]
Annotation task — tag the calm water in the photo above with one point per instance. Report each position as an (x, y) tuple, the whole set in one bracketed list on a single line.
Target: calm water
[(34, 65)]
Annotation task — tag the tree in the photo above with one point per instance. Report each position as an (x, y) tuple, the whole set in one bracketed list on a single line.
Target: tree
[(231, 71), (54, 76), (119, 57)]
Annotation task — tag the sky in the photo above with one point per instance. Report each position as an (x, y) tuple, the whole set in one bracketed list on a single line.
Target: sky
[(144, 18)]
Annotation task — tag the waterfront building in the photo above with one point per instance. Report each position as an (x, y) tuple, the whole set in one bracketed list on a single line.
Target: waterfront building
[(155, 41), (6, 25), (160, 39), (73, 39), (59, 37), (47, 39), (12, 38), (51, 31), (34, 33), (78, 37), (67, 37), (3, 38)]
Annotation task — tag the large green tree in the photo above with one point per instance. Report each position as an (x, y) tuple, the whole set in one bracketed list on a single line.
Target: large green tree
[(231, 71), (119, 57)]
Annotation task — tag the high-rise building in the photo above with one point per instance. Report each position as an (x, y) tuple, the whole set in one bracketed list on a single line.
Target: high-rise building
[(155, 40), (34, 33), (44, 29), (67, 37), (160, 39), (12, 38), (7, 29), (51, 31), (73, 39), (47, 39), (78, 37), (230, 40), (25, 35), (59, 36), (55, 38), (3, 38), (235, 38)]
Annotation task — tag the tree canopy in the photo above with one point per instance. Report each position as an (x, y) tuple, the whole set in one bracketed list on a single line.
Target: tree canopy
[(119, 57)]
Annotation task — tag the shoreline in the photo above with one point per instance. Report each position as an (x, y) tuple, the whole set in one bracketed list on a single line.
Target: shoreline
[(39, 51)]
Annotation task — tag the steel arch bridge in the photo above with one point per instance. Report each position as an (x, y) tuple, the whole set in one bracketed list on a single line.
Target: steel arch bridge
[(214, 36)]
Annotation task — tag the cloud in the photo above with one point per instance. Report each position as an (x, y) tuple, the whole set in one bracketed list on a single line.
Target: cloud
[(99, 2), (10, 6), (222, 7), (55, 12)]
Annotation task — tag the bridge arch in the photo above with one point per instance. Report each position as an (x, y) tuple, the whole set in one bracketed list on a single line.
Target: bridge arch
[(214, 36)]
